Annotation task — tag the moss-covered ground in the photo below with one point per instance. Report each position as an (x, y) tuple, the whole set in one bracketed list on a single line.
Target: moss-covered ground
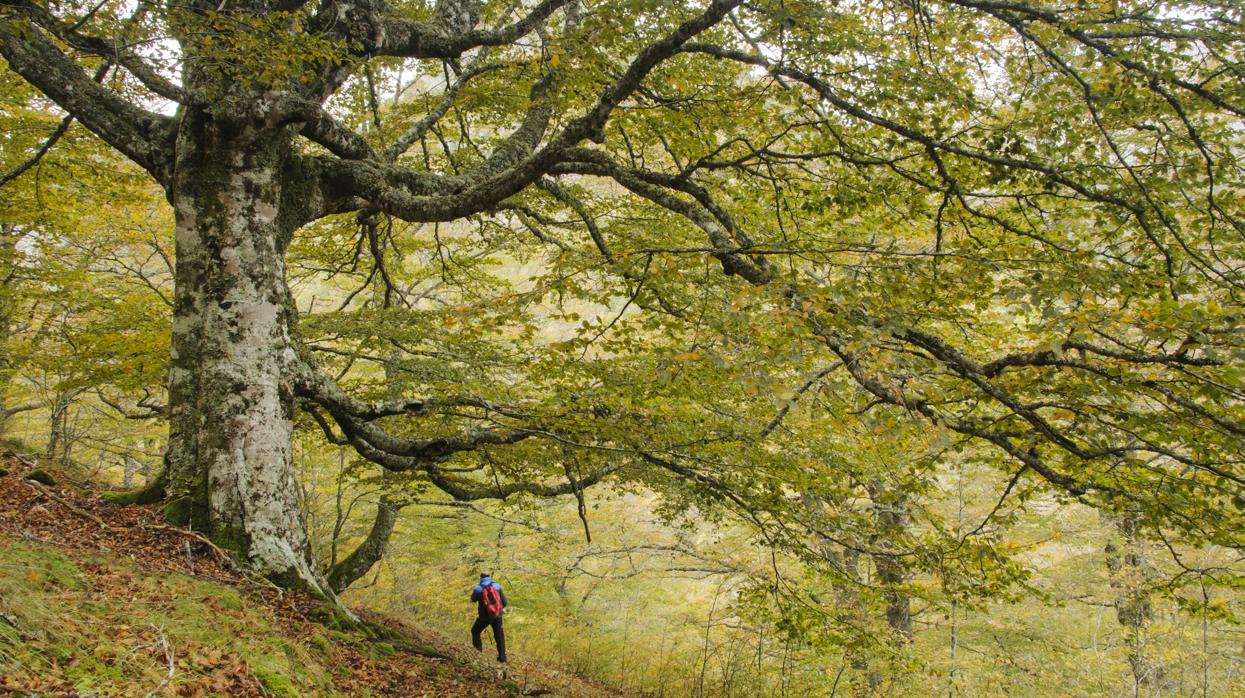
[(101, 600)]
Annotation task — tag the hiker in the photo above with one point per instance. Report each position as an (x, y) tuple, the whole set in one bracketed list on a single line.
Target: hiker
[(490, 603)]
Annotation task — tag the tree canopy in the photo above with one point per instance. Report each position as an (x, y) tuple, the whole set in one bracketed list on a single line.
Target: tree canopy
[(768, 260)]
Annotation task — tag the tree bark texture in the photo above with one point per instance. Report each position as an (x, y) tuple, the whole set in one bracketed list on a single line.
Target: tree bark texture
[(231, 399)]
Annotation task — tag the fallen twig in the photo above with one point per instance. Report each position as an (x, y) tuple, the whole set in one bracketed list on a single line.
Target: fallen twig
[(40, 489), (168, 658), (21, 459), (224, 556), (220, 552)]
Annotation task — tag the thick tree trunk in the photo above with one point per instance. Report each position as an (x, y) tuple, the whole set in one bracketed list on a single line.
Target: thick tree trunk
[(231, 401), (867, 680)]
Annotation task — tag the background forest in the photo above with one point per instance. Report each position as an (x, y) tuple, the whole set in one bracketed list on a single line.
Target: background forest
[(984, 438)]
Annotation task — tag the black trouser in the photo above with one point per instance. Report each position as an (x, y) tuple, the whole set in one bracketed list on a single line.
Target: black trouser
[(498, 634)]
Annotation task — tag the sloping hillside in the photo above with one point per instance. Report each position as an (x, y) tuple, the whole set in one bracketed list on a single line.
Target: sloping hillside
[(100, 600)]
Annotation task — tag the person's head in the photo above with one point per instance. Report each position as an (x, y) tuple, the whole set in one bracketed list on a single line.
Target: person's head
[(485, 575)]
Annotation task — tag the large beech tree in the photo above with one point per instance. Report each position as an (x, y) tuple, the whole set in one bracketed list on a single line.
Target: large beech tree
[(1020, 222)]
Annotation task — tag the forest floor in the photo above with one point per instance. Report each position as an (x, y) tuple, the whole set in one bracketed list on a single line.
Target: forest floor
[(102, 600)]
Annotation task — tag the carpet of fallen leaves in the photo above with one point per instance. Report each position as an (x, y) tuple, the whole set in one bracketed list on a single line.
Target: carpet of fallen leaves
[(75, 520)]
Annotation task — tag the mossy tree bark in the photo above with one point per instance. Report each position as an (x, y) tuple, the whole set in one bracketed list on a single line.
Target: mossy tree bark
[(231, 408)]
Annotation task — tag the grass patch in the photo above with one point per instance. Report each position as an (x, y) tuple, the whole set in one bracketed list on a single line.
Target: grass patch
[(97, 626), (274, 675)]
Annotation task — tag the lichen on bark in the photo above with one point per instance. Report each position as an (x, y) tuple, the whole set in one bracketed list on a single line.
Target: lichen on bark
[(228, 466)]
